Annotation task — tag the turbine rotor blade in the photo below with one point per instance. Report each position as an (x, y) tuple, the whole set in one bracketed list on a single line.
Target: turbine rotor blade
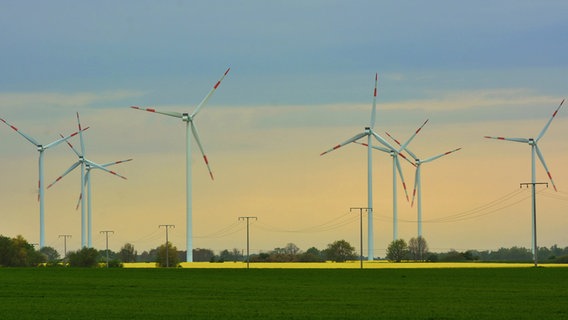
[(383, 141), (80, 136), (167, 113), (71, 146), (196, 136), (440, 155), (392, 138), (116, 162), (98, 166), (30, 139), (412, 137), (85, 182), (79, 201), (399, 169), (523, 140), (415, 157), (204, 101), (374, 147), (549, 121), (53, 144), (353, 139), (545, 166), (73, 166), (374, 110), (403, 146), (405, 158), (416, 177)]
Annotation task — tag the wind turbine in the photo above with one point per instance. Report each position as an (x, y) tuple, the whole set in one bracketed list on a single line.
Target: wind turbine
[(368, 133), (395, 153), (86, 182), (418, 181), (533, 143), (188, 119), (41, 193)]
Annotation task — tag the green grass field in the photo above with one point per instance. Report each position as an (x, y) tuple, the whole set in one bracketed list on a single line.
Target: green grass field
[(461, 293)]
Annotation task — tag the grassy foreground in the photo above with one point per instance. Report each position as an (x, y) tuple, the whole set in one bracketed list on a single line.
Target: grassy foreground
[(456, 293)]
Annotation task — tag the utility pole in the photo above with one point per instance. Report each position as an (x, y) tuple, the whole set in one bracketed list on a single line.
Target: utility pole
[(360, 227), (533, 192), (106, 232), (167, 226), (248, 238), (65, 236)]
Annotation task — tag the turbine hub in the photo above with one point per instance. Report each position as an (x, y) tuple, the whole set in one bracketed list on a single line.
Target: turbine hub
[(185, 117)]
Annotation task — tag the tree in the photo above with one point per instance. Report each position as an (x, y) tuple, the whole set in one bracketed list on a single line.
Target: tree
[(312, 255), (397, 250), (148, 256), (291, 249), (340, 251), (84, 258), (452, 256), (51, 255), (127, 253), (171, 254), (203, 255), (17, 252), (233, 255), (418, 248)]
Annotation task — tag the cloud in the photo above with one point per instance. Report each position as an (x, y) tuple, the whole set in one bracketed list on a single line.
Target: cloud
[(479, 98), (75, 100)]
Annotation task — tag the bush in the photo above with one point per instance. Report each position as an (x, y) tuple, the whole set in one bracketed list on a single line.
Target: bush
[(84, 258), (17, 252), (167, 256), (561, 259), (397, 251)]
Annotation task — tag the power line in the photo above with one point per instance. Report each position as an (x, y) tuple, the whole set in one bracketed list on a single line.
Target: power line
[(226, 231), (361, 227), (167, 227), (106, 232), (248, 218)]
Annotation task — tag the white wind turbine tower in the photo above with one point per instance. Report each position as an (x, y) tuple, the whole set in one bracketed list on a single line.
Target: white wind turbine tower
[(86, 182), (41, 193), (395, 153), (368, 133), (418, 181), (535, 150), (188, 119)]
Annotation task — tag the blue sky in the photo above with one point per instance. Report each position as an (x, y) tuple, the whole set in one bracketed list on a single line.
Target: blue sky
[(301, 76), (282, 52)]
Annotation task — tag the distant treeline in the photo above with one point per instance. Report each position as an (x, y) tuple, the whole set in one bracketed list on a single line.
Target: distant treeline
[(514, 254), (17, 252)]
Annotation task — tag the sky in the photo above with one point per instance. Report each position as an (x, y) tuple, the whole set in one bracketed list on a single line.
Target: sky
[(301, 81)]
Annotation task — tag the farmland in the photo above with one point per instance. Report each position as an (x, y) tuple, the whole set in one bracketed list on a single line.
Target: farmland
[(389, 293)]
